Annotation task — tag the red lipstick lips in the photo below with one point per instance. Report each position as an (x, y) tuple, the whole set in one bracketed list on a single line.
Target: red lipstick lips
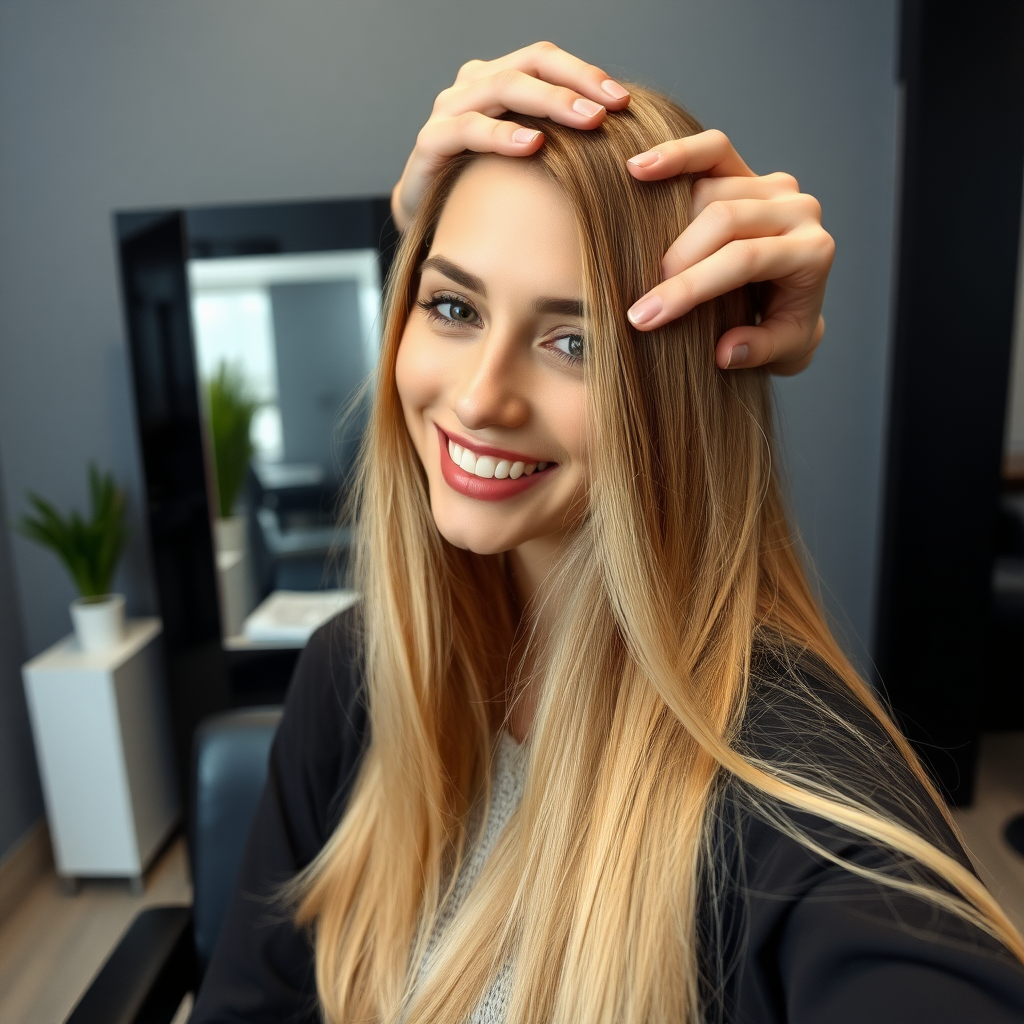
[(473, 486)]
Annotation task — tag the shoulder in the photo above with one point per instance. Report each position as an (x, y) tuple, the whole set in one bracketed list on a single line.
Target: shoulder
[(807, 726), (800, 908), (805, 721), (328, 675), (323, 731), (795, 698)]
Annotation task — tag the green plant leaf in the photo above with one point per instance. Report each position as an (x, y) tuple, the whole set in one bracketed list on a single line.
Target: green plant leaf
[(90, 549), (231, 406)]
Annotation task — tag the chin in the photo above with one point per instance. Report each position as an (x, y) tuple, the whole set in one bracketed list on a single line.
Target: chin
[(474, 529), (478, 540)]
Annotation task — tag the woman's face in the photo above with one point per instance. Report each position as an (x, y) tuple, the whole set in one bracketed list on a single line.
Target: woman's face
[(490, 367)]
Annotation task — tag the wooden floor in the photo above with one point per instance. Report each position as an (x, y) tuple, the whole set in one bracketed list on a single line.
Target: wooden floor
[(53, 944), (999, 795)]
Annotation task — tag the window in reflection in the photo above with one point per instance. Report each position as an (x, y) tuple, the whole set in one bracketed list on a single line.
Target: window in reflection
[(283, 345)]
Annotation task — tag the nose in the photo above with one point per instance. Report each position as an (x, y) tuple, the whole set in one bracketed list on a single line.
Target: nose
[(493, 392)]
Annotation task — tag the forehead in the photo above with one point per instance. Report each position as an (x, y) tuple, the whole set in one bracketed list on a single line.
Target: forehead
[(508, 223)]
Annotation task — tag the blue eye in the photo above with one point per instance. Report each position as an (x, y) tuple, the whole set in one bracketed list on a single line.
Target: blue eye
[(570, 346), (451, 309), (457, 311)]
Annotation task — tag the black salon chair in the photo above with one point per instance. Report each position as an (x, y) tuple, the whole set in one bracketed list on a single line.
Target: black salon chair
[(164, 953)]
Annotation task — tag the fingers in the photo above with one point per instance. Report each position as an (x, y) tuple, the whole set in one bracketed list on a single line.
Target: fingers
[(708, 152), (725, 221), (446, 137), (441, 139), (551, 63), (540, 80), (511, 89), (744, 228), (719, 190), (466, 117), (782, 342), (732, 266)]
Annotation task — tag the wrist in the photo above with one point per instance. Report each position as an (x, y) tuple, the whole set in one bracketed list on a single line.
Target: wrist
[(398, 215)]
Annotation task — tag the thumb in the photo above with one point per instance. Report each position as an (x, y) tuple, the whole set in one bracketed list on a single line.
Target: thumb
[(784, 344)]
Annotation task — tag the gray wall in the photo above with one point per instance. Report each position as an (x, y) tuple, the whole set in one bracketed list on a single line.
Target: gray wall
[(112, 104)]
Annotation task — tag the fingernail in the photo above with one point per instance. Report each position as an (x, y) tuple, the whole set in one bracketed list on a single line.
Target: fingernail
[(647, 159), (614, 89), (645, 310), (738, 356), (524, 136), (588, 108)]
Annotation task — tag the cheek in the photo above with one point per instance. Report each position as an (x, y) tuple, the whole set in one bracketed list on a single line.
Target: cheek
[(417, 378), (573, 424), (563, 408)]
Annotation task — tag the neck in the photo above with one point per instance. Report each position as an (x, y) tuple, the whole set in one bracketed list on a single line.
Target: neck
[(530, 564)]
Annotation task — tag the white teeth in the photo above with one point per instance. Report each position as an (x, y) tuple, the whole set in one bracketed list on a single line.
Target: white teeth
[(487, 467)]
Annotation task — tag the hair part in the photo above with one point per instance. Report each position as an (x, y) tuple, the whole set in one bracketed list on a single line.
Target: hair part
[(682, 573)]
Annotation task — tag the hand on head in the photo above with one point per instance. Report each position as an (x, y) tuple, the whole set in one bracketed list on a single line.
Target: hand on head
[(746, 228)]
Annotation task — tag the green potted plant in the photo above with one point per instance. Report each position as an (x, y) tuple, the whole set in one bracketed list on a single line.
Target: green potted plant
[(231, 406), (231, 409), (90, 550)]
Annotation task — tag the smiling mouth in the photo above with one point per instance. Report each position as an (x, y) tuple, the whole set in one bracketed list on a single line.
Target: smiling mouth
[(488, 467), (487, 473)]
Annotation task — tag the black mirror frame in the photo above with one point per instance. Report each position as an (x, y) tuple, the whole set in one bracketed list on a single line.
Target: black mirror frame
[(154, 247)]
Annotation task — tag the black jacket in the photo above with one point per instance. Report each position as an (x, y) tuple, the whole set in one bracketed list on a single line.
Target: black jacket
[(803, 940)]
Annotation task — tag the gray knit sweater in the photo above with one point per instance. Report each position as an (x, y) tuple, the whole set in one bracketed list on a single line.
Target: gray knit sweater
[(508, 779)]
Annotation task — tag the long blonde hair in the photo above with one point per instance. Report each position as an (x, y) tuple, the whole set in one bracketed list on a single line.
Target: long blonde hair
[(682, 578)]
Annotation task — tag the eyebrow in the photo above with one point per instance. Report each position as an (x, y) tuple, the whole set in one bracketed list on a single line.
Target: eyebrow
[(560, 307), (454, 273)]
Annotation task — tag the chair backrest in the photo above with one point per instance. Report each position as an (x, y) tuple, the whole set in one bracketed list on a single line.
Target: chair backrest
[(230, 767)]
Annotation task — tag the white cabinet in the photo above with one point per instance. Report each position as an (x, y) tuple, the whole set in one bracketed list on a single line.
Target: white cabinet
[(102, 732)]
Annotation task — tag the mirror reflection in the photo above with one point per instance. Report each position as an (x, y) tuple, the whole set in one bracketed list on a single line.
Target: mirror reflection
[(283, 346)]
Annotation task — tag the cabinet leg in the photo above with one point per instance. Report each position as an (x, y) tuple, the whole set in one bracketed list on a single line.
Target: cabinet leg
[(69, 885), (137, 884)]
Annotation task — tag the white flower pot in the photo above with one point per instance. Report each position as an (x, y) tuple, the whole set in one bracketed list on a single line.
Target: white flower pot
[(229, 533), (99, 621), (236, 590)]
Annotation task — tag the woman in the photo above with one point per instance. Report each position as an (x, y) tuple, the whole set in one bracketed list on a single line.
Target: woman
[(589, 753)]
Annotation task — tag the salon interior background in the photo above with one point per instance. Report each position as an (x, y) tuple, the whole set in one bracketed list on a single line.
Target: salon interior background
[(109, 104)]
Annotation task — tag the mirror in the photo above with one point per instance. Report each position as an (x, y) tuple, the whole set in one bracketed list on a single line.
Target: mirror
[(283, 345), (253, 331)]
